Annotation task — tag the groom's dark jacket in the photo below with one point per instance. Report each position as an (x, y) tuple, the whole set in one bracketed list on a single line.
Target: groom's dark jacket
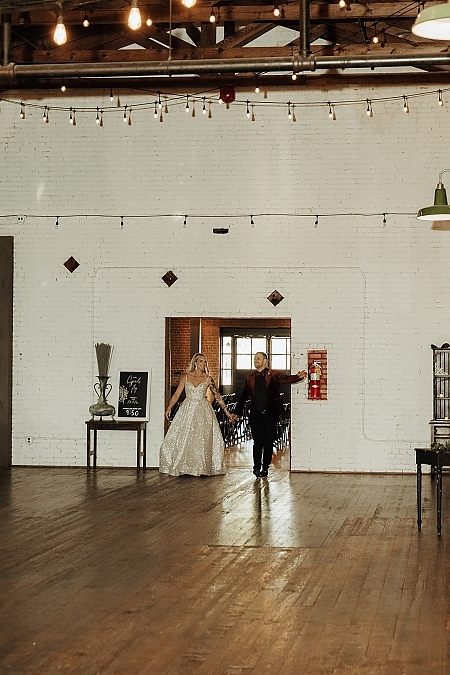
[(273, 380)]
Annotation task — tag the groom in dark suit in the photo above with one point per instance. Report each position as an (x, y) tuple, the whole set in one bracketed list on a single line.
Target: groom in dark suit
[(262, 387)]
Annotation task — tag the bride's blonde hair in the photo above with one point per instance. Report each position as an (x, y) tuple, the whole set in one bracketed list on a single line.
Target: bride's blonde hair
[(193, 361)]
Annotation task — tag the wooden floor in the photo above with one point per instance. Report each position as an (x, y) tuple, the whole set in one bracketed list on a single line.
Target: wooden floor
[(114, 573)]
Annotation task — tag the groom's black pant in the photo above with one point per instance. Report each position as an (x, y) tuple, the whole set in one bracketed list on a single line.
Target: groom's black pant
[(263, 428)]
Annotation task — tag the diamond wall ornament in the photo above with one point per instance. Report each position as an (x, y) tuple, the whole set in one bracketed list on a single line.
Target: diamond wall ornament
[(71, 264), (275, 298), (169, 278)]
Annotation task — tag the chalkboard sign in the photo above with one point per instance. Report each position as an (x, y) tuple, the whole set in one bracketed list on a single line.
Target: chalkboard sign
[(133, 395)]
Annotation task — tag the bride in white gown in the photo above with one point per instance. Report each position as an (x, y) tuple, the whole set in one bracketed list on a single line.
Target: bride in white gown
[(194, 444)]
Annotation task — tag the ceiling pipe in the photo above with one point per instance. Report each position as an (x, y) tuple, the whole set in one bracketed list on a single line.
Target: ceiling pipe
[(6, 39), (14, 73), (305, 32)]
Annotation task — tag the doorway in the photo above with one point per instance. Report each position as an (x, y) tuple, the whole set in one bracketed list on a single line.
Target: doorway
[(230, 345)]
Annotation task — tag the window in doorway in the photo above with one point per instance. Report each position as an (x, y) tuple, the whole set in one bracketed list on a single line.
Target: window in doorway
[(237, 353)]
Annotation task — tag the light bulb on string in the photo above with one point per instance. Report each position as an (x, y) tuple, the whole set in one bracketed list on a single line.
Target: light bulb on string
[(342, 4), (155, 112), (121, 222), (204, 106), (440, 99), (316, 222), (161, 119), (252, 222), (212, 16), (257, 89), (187, 103), (148, 22), (74, 118), (86, 21), (118, 101), (134, 17), (209, 110), (63, 86), (188, 3), (185, 221), (369, 111), (125, 113), (193, 108), (384, 219), (45, 115), (289, 110), (129, 118), (294, 119), (97, 119), (331, 111), (276, 10), (57, 223), (166, 107), (22, 111), (405, 104), (253, 113), (111, 95), (159, 100), (101, 119), (294, 76), (60, 34), (375, 37), (248, 109)]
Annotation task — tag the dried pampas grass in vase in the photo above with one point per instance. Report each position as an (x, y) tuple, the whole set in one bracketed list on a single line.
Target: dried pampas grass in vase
[(102, 408)]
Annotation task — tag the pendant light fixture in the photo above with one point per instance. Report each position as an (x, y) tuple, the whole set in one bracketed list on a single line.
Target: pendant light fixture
[(134, 17), (440, 210), (60, 35), (433, 22)]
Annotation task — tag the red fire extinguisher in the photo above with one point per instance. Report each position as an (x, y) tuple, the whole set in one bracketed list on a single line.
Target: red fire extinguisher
[(315, 372)]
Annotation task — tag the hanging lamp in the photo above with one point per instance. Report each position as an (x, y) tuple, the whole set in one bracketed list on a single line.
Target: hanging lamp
[(440, 210), (433, 22)]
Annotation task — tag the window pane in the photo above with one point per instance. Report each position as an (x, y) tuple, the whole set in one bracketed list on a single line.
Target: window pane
[(279, 362), (259, 345), (226, 376), (243, 345), (243, 362), (226, 345), (278, 345), (226, 361)]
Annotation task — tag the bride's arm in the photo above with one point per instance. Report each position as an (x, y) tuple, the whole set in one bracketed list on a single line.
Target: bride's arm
[(219, 399), (175, 397)]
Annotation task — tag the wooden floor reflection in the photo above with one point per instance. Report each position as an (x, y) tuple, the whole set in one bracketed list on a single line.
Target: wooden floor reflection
[(240, 457), (118, 573)]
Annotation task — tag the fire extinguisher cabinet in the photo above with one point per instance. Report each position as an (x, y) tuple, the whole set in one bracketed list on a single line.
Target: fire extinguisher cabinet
[(440, 424)]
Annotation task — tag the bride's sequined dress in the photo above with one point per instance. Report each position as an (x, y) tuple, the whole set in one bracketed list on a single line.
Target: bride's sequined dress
[(193, 444)]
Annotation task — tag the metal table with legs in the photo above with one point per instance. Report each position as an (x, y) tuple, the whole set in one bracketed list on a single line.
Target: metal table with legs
[(436, 459)]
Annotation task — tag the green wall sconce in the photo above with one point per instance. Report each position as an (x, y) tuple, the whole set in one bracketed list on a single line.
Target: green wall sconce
[(440, 210)]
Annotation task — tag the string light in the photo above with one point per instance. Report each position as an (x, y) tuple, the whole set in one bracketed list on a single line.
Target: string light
[(369, 111), (45, 115), (97, 119), (209, 110), (248, 109), (294, 119), (121, 222), (134, 17), (161, 119), (111, 95), (22, 111), (342, 4), (185, 221), (204, 105), (252, 223), (125, 114), (253, 112), (257, 89), (188, 3), (155, 113), (148, 22), (331, 111), (63, 86), (159, 100), (276, 10), (85, 21), (289, 110), (212, 16), (72, 118), (384, 219), (375, 37), (440, 99), (166, 107), (187, 103), (129, 117), (57, 223), (193, 108), (60, 34), (405, 104), (316, 222)]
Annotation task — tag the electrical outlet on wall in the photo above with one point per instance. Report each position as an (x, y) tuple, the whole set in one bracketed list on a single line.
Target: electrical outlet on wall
[(29, 439)]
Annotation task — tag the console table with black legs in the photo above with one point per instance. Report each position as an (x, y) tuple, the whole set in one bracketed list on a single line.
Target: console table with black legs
[(111, 425), (436, 459)]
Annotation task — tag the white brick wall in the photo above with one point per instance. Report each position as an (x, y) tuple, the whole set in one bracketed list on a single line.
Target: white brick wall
[(375, 296)]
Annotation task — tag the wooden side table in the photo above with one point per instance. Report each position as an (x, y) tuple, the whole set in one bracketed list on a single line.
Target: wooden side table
[(139, 426), (436, 459)]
